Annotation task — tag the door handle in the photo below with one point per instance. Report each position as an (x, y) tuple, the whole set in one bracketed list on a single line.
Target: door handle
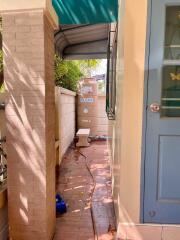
[(155, 107)]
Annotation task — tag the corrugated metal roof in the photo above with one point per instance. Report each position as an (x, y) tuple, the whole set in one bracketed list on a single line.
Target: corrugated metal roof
[(82, 41)]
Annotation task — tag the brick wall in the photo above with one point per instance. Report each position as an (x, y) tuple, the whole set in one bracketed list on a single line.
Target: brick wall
[(3, 202), (2, 117), (50, 126), (28, 56)]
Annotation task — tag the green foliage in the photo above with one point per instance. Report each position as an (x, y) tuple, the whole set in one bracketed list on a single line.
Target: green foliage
[(61, 68), (2, 89), (90, 63), (87, 66), (67, 74)]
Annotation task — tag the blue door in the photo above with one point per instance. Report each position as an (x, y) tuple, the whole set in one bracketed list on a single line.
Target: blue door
[(162, 162)]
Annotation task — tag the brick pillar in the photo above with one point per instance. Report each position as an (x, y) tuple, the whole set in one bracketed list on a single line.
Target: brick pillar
[(28, 45)]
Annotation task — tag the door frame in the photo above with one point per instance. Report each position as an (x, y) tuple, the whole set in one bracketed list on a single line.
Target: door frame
[(145, 106)]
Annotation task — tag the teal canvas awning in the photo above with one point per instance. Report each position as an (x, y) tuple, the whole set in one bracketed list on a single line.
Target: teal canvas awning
[(86, 11)]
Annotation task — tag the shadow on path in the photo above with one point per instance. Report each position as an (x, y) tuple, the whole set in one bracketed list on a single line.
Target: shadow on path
[(76, 185)]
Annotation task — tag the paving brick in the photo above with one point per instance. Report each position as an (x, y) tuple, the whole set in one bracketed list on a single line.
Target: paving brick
[(75, 185)]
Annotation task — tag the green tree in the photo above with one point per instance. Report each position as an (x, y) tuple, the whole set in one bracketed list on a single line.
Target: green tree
[(88, 66), (67, 74)]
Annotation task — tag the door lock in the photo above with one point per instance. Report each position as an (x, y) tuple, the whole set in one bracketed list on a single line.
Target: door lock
[(155, 107)]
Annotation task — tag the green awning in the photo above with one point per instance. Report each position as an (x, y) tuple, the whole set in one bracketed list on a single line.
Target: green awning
[(86, 11)]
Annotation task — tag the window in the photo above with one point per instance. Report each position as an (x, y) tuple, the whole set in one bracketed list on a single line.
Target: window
[(111, 75), (170, 106)]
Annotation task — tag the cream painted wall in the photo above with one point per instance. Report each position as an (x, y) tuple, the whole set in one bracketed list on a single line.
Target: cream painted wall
[(65, 119), (102, 120), (126, 131)]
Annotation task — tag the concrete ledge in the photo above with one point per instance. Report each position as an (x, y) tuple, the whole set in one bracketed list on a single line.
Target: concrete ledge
[(148, 231), (101, 95)]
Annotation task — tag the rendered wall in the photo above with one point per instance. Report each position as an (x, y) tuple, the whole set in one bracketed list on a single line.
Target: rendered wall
[(65, 119), (126, 130), (102, 120)]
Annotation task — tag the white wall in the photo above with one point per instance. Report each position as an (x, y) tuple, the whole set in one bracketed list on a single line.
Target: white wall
[(102, 120), (126, 132), (65, 118)]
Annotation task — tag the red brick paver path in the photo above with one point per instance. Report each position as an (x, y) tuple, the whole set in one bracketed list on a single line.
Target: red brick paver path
[(75, 185)]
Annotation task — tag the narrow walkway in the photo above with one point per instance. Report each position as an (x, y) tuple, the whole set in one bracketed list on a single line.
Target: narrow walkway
[(76, 185)]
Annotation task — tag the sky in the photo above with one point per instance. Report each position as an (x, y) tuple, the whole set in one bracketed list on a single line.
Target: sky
[(101, 69)]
